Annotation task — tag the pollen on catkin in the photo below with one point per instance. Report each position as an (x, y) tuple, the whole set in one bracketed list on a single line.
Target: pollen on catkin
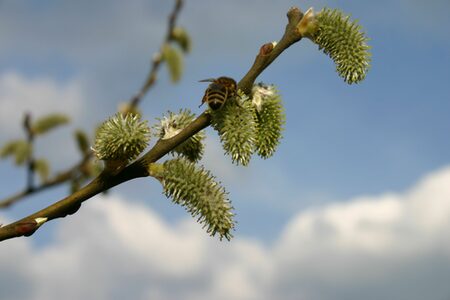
[(196, 189), (269, 117), (121, 138), (171, 124), (236, 126), (345, 42)]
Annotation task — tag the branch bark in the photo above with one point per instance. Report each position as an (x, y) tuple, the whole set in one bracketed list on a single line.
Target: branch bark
[(139, 168)]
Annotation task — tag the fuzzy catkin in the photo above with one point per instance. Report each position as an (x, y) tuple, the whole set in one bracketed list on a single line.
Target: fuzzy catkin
[(171, 124), (270, 118), (121, 138), (344, 41), (236, 126), (196, 189)]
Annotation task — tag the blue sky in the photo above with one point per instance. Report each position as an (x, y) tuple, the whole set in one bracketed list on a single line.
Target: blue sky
[(373, 153)]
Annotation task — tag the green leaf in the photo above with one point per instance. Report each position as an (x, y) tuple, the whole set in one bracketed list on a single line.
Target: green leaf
[(174, 61), (42, 167), (49, 122), (82, 141), (197, 190), (182, 38), (20, 149)]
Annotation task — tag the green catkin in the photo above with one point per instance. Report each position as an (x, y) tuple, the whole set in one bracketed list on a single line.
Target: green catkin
[(196, 189), (236, 126), (269, 117), (344, 41), (121, 138), (171, 124)]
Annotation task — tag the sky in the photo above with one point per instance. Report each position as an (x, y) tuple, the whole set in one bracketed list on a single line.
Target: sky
[(355, 204)]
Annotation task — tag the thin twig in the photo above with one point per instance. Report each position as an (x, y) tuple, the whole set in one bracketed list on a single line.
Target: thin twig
[(69, 205), (157, 57), (56, 180), (30, 159)]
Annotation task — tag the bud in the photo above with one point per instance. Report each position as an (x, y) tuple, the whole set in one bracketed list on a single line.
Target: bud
[(266, 49), (27, 228), (182, 38), (174, 62), (308, 26)]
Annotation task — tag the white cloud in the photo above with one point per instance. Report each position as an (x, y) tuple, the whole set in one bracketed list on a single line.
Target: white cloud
[(391, 246), (354, 249), (38, 96)]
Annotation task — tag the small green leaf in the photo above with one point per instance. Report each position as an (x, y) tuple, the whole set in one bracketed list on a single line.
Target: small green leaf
[(182, 38), (20, 149), (49, 122), (174, 61), (42, 167), (82, 141)]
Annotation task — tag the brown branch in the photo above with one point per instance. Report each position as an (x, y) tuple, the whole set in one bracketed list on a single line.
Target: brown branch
[(268, 53), (72, 203), (30, 159), (72, 171), (58, 179)]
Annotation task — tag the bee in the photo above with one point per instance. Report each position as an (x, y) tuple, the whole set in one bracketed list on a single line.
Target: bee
[(219, 91)]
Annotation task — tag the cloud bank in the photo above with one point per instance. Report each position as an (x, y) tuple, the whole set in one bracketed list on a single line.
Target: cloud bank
[(390, 246)]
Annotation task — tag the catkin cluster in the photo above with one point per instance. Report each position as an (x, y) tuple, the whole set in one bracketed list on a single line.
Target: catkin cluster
[(250, 124)]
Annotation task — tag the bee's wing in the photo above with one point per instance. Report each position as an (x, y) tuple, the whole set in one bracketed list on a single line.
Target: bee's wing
[(207, 80)]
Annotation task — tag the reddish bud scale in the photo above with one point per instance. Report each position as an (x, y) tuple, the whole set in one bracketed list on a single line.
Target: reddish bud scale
[(26, 228), (266, 49)]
